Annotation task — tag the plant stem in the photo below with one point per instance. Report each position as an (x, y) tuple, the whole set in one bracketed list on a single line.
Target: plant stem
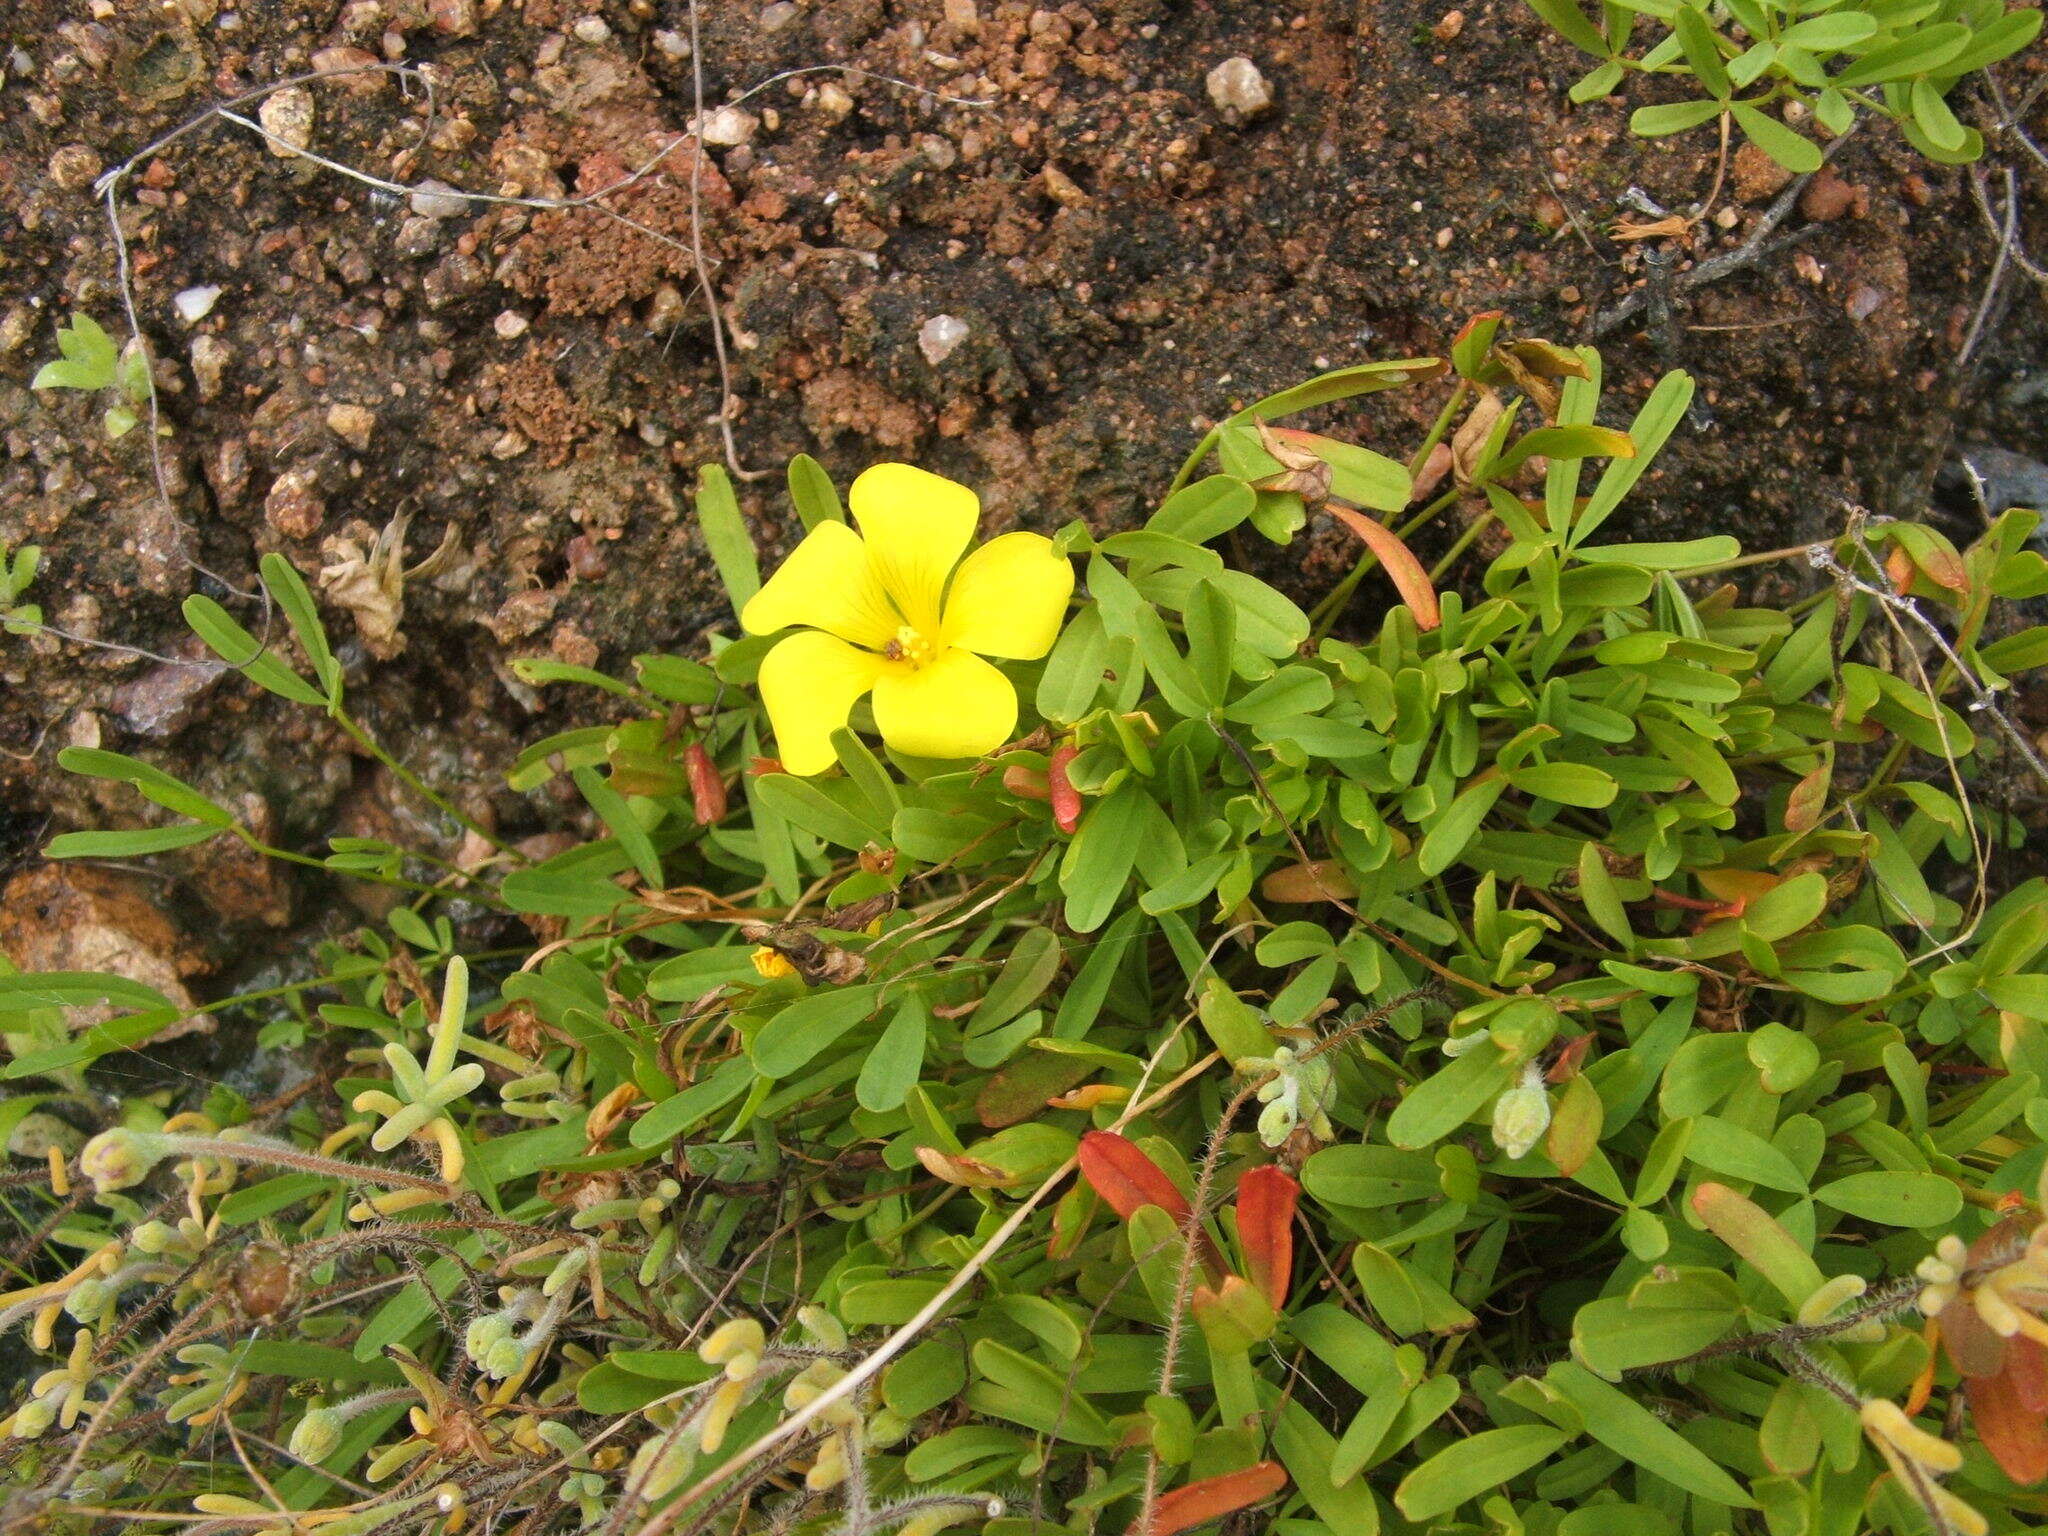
[(418, 786)]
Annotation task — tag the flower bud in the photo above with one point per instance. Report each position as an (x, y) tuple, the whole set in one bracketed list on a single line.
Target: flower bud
[(316, 1436), (1522, 1114), (741, 1336), (119, 1159)]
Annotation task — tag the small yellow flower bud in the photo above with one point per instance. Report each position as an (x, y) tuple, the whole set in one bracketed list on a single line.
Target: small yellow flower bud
[(117, 1159), (830, 1469), (771, 964), (1821, 1305), (725, 1402), (741, 1336), (1886, 1422)]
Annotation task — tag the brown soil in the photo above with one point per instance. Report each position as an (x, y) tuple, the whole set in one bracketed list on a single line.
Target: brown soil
[(535, 388)]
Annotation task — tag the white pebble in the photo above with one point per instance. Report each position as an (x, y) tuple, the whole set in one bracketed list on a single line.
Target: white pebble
[(437, 200), (510, 324), (1236, 85), (939, 336), (728, 126), (287, 116), (195, 304), (591, 29)]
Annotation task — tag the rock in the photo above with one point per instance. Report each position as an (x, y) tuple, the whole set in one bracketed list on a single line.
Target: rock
[(195, 304), (452, 18), (1238, 90), (210, 357), (1448, 29), (1864, 300), (454, 276), (294, 506), (437, 200), (1828, 197), (418, 237), (2009, 479), (510, 324), (962, 16), (161, 702), (729, 126), (592, 29), (522, 614), (778, 14), (363, 78), (240, 885), (939, 336), (1757, 175), (672, 44), (831, 99), (75, 166), (74, 917), (353, 424), (287, 116)]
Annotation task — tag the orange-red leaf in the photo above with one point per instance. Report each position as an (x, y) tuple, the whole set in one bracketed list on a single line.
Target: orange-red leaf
[(2014, 1434), (1266, 1198), (2027, 1369), (1212, 1498), (1126, 1178), (1406, 572)]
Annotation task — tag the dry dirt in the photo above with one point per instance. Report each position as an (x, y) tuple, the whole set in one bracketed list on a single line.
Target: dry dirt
[(532, 390)]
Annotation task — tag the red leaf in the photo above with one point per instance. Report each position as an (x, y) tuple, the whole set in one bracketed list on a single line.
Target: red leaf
[(1066, 800), (1406, 572), (707, 787), (2027, 1369), (2015, 1435), (1212, 1498), (1127, 1178), (1266, 1197)]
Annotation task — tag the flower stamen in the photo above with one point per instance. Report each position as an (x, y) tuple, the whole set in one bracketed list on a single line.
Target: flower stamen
[(909, 644)]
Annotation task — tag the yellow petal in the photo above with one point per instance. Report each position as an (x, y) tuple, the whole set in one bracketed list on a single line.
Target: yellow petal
[(959, 706), (828, 583), (916, 524), (1009, 597), (809, 682)]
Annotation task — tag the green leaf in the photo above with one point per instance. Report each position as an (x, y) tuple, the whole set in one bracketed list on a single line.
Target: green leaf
[(289, 588), (809, 804), (682, 1111), (1446, 839), (1567, 783), (90, 358), (807, 1027), (1664, 557), (1630, 1430), (152, 783), (123, 845), (1011, 1385), (1920, 51), (816, 498), (1570, 23), (1099, 860), (618, 818), (1211, 620), (1305, 1449), (1655, 122), (726, 535), (1794, 151), (1470, 1467), (1652, 427), (1205, 510), (892, 1066), (1895, 1199), (1722, 1147), (1702, 49), (1438, 1105), (246, 654)]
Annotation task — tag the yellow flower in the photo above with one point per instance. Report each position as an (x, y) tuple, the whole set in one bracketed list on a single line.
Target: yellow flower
[(772, 964), (883, 617)]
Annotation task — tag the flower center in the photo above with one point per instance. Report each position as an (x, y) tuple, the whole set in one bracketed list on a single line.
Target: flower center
[(909, 644)]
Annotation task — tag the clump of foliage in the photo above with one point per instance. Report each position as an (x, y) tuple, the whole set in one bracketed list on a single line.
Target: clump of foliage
[(1555, 1050), (18, 616), (1751, 60), (89, 360)]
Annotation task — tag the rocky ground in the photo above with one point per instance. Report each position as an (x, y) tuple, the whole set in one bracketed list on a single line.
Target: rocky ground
[(1029, 247)]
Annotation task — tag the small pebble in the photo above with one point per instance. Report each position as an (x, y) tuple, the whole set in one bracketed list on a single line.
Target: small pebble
[(592, 29), (832, 100), (672, 44), (195, 304), (437, 200), (353, 424), (728, 127), (940, 336), (777, 15), (74, 166), (510, 324), (287, 116), (1236, 86)]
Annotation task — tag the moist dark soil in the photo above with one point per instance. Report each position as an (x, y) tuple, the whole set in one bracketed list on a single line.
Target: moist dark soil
[(529, 391)]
